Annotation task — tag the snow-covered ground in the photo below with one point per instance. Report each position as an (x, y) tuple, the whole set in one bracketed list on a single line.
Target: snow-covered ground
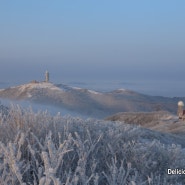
[(94, 92), (162, 121), (40, 85)]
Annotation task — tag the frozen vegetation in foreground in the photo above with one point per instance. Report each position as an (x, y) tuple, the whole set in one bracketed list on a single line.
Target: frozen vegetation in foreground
[(40, 149)]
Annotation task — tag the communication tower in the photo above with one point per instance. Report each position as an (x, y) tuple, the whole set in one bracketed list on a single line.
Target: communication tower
[(46, 76)]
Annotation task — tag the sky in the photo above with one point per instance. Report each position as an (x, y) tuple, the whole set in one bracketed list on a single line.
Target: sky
[(92, 40)]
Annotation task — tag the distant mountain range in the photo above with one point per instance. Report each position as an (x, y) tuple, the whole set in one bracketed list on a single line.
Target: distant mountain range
[(88, 102)]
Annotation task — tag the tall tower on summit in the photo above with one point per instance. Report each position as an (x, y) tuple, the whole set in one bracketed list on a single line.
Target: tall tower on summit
[(46, 76)]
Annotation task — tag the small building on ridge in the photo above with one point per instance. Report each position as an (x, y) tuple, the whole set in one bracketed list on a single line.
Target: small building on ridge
[(181, 111)]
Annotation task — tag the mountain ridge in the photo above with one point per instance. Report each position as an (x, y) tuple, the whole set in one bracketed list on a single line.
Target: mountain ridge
[(89, 102)]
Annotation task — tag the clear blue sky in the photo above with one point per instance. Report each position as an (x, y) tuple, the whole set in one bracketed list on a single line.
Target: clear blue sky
[(92, 39)]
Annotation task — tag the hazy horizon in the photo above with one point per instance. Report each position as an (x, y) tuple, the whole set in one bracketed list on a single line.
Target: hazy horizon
[(93, 41)]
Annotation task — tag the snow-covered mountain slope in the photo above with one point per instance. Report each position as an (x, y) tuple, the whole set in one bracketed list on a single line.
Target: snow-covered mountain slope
[(88, 102), (27, 91), (162, 121)]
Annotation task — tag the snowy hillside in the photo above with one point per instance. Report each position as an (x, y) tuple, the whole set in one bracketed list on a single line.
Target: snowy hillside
[(160, 121), (39, 149), (88, 102)]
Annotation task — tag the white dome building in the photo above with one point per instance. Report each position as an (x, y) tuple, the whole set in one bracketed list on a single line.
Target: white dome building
[(181, 104)]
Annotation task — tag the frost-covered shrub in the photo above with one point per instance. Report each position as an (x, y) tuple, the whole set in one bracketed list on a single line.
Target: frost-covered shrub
[(37, 148)]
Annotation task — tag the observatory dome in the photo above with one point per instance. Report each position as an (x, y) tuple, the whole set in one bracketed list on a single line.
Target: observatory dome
[(180, 103)]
